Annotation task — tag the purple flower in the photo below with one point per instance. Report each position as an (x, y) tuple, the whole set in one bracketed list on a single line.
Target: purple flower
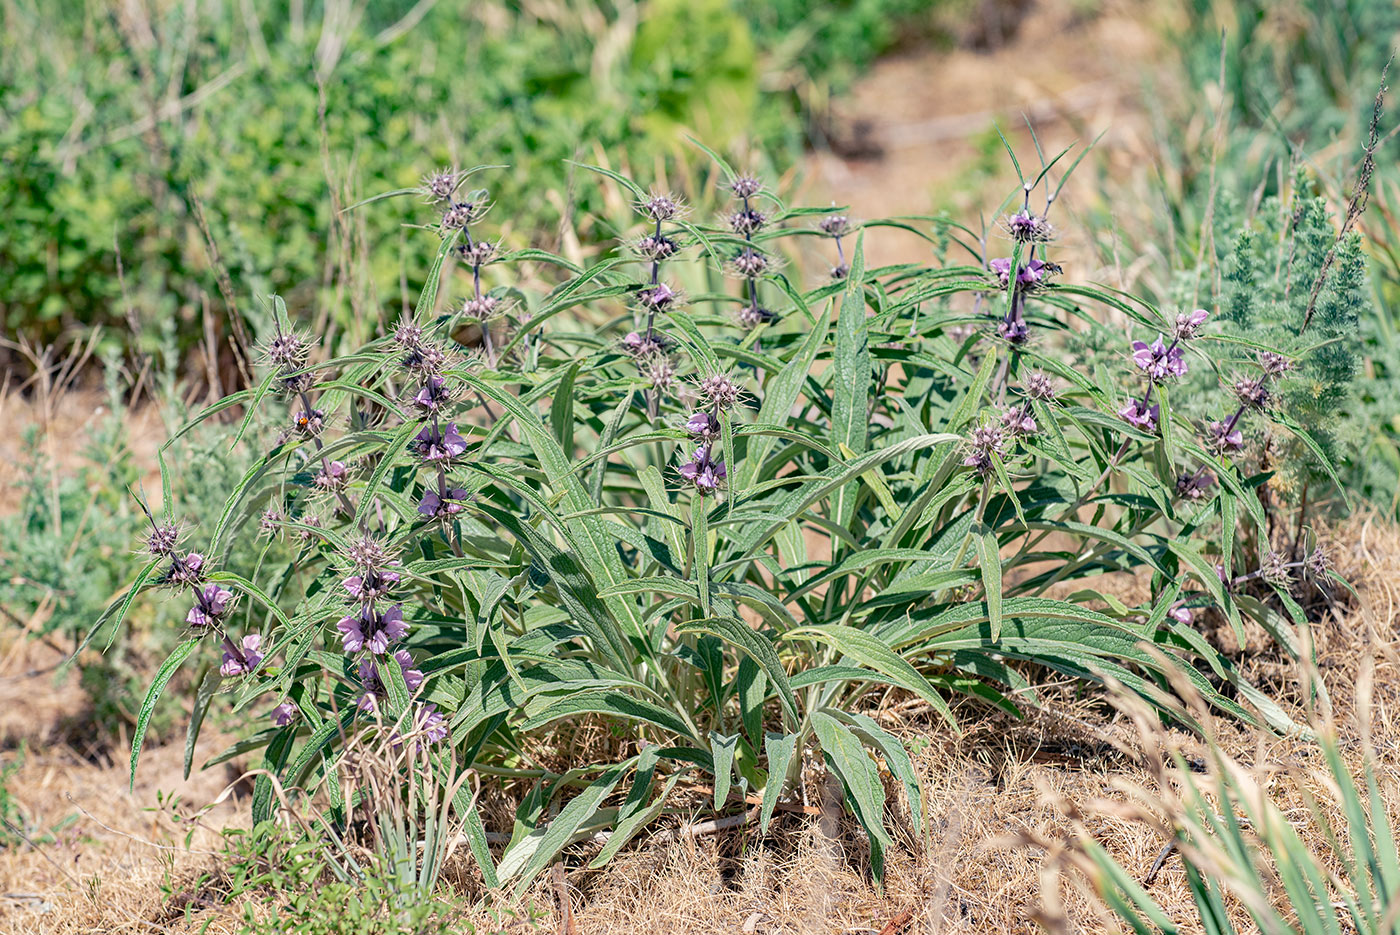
[(1188, 324), (240, 660), (332, 476), (212, 603), (657, 297), (984, 442), (702, 424), (309, 423), (641, 346), (1193, 487), (1274, 364), (370, 586), (1225, 437), (435, 444), (1027, 227), (1138, 414), (442, 505), (432, 724), (1252, 392), (1030, 274), (372, 630), (1181, 613), (704, 471), (284, 714), (1013, 330), (1158, 360), (185, 569), (432, 395), (374, 686), (1019, 421)]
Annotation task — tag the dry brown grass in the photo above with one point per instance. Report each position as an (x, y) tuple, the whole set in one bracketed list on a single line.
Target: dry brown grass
[(1072, 765)]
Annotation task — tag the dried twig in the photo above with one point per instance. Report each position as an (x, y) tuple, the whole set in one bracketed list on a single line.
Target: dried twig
[(1360, 195)]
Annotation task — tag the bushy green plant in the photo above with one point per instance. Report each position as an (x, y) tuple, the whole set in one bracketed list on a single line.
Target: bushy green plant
[(214, 138), (287, 882), (721, 522), (1297, 120)]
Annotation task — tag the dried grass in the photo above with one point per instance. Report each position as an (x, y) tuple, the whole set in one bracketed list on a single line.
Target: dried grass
[(1072, 761)]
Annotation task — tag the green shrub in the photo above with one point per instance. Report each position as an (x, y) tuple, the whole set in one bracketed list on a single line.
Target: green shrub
[(718, 521), (274, 136)]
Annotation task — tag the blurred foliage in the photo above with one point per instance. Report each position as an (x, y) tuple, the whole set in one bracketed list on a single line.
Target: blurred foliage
[(120, 128), (68, 547), (1247, 193)]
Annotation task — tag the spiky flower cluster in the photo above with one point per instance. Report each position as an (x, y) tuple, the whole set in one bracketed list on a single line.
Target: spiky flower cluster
[(1253, 393), (749, 262), (705, 470), (287, 354), (212, 601), (1194, 487), (480, 307), (720, 392), (1027, 227), (647, 346), (1276, 570), (1038, 386), (1029, 276), (837, 226), (440, 186), (985, 442)]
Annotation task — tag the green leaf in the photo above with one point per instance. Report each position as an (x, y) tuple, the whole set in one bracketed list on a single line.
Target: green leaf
[(859, 775), (757, 646), (869, 650), (722, 749), (851, 377), (989, 558), (896, 758), (781, 393), (779, 749), (628, 827), (611, 702), (148, 706), (526, 857), (207, 686)]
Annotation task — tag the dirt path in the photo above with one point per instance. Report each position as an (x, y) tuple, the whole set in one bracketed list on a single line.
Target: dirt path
[(929, 116)]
